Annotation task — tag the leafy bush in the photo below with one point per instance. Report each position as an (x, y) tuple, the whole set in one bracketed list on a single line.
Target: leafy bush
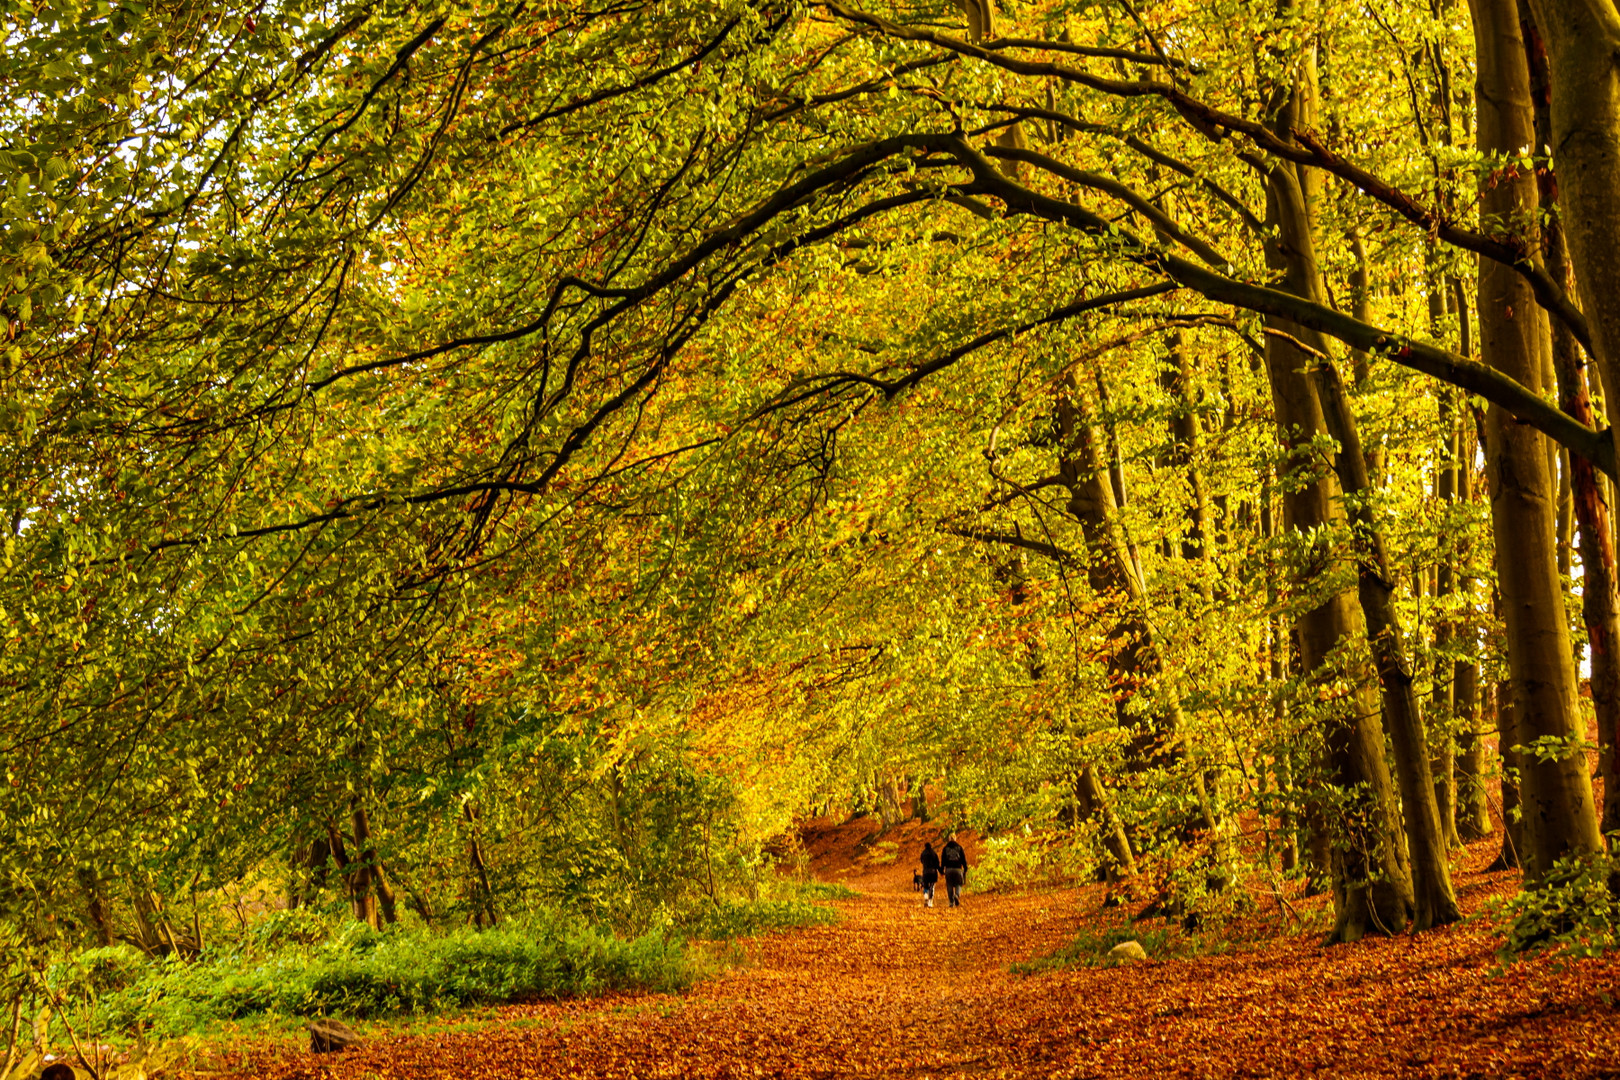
[(1021, 859), (97, 971), (730, 920), (1573, 910), (363, 973), (296, 926)]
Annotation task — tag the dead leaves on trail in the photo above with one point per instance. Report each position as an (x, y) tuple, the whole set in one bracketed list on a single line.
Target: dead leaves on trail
[(897, 990)]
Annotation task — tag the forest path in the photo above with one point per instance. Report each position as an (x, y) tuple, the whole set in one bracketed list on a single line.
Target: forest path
[(899, 991)]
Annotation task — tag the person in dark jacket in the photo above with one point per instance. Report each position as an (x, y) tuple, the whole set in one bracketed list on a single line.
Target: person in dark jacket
[(930, 873), (953, 861)]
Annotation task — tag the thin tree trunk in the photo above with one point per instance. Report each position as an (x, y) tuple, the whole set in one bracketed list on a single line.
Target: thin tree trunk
[(1093, 799), (90, 885), (1443, 756), (1185, 436), (1473, 796), (381, 907), (1507, 737), (1435, 901), (484, 907), (1111, 569)]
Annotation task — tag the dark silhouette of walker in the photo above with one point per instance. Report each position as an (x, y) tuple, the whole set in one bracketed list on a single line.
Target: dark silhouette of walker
[(929, 875), (953, 862)]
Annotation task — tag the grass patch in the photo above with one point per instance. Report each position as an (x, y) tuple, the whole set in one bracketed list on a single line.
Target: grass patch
[(826, 890), (362, 974), (727, 919), (1090, 948), (293, 966)]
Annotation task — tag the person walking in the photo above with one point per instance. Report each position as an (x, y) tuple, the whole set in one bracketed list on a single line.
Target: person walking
[(954, 862), (930, 873)]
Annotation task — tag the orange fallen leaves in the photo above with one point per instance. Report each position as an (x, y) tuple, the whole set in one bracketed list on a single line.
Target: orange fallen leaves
[(897, 990)]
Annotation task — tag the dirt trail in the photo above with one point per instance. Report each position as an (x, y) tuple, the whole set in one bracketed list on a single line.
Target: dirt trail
[(896, 990)]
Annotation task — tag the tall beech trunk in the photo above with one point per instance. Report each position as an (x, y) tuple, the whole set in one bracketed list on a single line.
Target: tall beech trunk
[(1555, 792), (1582, 41), (1587, 497), (1371, 882)]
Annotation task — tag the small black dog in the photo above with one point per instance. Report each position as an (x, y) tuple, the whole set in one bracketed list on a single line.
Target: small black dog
[(916, 881)]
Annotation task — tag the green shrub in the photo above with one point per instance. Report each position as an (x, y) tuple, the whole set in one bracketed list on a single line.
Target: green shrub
[(97, 971), (295, 926), (1574, 910), (362, 973), (731, 920)]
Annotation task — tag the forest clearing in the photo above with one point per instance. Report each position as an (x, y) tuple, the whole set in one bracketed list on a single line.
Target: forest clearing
[(477, 477)]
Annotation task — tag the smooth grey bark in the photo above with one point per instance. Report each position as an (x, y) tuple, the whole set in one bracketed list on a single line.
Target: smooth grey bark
[(1555, 792)]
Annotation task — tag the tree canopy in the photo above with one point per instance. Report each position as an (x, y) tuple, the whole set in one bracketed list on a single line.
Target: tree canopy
[(1160, 426)]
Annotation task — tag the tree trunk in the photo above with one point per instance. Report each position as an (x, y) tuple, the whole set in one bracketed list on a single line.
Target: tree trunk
[(1582, 41), (1473, 800), (383, 909), (1555, 791), (1093, 800), (356, 879), (1372, 885), (1473, 797), (1583, 495), (1507, 737), (90, 885), (1176, 378), (1444, 697), (1435, 901), (484, 911)]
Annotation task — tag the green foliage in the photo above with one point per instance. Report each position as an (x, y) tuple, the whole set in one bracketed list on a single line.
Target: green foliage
[(825, 890), (1574, 910), (361, 973), (1029, 857), (746, 919)]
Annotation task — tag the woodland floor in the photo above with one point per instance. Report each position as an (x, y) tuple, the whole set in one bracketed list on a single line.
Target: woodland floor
[(897, 990)]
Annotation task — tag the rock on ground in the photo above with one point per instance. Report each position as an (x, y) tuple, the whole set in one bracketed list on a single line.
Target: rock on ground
[(326, 1036), (1126, 951)]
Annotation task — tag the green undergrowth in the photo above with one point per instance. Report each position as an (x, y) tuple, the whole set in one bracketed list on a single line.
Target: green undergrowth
[(1572, 912), (362, 973), (1090, 947), (294, 966), (826, 890), (733, 920)]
